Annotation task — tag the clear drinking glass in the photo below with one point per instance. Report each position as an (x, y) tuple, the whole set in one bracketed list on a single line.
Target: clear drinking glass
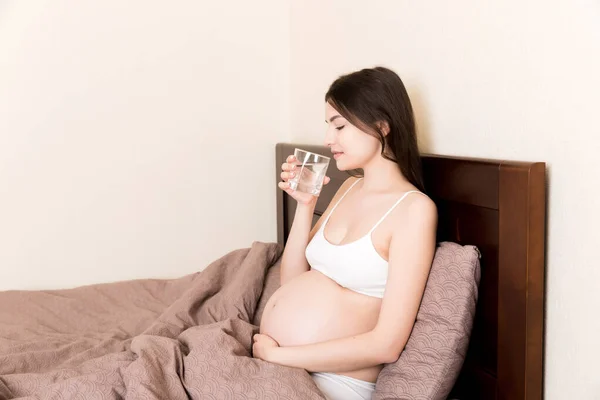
[(310, 172)]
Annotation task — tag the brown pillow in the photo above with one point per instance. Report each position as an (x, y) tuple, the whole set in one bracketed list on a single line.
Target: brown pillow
[(434, 354)]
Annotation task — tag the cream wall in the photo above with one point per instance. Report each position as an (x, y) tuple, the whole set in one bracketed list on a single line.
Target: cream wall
[(507, 79), (125, 133), (111, 112)]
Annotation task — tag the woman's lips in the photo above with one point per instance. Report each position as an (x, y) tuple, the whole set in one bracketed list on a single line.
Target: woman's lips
[(337, 154)]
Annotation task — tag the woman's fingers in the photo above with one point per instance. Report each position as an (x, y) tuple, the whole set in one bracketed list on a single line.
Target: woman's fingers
[(284, 185), (288, 167), (287, 175), (289, 164), (326, 180)]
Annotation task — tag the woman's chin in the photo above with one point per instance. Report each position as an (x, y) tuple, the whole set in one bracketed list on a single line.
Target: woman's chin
[(340, 166), (340, 163), (344, 166)]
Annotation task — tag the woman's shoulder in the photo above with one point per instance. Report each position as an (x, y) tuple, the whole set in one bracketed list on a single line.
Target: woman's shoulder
[(423, 203), (420, 208)]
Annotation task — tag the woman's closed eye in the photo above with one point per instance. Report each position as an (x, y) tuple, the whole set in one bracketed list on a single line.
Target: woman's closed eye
[(339, 128)]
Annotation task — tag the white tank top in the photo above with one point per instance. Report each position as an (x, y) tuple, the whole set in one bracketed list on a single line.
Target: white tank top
[(356, 265)]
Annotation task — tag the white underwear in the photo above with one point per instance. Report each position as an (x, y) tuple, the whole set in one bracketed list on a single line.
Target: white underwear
[(341, 387)]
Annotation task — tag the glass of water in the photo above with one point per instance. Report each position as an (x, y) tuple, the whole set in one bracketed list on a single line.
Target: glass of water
[(310, 172)]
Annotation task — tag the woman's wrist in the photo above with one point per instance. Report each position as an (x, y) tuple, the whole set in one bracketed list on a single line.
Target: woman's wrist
[(310, 206), (271, 354)]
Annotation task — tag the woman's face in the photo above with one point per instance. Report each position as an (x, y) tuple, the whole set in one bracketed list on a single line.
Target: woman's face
[(351, 147)]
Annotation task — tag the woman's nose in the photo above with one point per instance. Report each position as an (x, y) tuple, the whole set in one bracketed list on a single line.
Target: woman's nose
[(329, 137)]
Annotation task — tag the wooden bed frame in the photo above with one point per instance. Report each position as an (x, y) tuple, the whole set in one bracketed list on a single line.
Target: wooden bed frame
[(500, 207)]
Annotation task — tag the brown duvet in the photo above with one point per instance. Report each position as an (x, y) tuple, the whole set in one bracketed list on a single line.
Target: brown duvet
[(146, 339)]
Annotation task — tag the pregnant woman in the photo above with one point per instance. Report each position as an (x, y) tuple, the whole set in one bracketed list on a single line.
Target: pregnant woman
[(351, 286)]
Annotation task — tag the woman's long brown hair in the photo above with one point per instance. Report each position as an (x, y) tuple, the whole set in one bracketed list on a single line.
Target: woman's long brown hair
[(373, 97)]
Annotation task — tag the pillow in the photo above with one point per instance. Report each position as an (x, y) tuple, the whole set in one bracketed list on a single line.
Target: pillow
[(272, 283), (434, 354)]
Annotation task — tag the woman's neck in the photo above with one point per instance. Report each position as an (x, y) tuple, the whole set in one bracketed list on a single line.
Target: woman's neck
[(381, 175)]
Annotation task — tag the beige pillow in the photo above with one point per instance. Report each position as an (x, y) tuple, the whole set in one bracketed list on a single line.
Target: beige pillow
[(433, 357)]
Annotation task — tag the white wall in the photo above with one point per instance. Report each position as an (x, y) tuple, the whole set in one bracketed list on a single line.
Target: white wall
[(136, 137), (508, 80)]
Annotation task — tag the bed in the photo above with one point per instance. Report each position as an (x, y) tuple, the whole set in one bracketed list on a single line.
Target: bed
[(498, 206), (190, 337)]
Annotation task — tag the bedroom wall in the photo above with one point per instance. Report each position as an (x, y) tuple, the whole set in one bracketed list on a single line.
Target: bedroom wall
[(507, 80), (135, 136)]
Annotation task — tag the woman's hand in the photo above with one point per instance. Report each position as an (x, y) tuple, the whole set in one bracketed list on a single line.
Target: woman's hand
[(262, 346), (289, 171)]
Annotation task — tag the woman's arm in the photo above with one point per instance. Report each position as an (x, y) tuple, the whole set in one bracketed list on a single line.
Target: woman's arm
[(293, 260), (338, 355), (411, 253)]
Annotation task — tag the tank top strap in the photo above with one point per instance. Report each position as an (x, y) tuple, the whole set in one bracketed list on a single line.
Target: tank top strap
[(392, 208), (340, 199)]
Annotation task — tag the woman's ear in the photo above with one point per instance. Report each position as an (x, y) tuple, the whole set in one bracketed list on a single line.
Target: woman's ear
[(383, 127)]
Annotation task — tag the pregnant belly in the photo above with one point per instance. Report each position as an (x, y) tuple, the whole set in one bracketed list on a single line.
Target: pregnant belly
[(312, 308)]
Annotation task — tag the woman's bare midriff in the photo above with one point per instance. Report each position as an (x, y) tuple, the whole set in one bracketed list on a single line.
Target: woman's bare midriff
[(312, 308)]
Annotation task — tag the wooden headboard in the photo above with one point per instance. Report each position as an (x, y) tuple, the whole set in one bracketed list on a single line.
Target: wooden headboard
[(500, 207)]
